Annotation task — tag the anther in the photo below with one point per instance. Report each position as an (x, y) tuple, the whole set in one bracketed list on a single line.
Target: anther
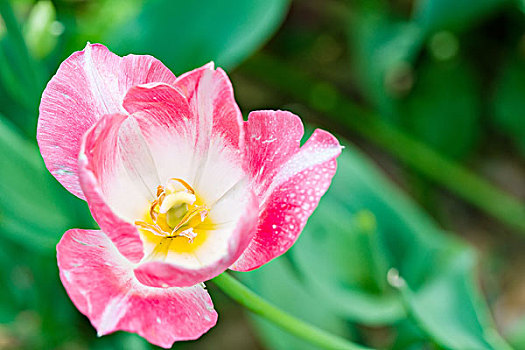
[(173, 182)]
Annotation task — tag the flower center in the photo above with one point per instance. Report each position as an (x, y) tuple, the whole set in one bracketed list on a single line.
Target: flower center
[(177, 220)]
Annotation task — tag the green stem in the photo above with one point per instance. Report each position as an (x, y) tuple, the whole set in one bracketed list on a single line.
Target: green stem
[(261, 307), (324, 98)]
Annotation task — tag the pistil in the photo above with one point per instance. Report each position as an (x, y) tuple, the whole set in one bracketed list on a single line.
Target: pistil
[(174, 213)]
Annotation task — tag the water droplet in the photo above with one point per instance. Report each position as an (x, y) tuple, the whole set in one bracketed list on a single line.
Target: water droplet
[(394, 279)]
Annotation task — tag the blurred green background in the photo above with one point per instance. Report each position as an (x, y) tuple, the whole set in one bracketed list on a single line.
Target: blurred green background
[(419, 242)]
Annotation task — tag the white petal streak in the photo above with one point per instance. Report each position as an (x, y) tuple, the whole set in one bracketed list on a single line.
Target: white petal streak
[(112, 314), (136, 158), (98, 88), (204, 125)]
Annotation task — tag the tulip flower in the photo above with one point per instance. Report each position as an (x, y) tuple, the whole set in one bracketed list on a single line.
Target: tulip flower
[(181, 187)]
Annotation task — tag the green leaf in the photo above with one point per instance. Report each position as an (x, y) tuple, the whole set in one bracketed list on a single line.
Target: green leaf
[(277, 283), (33, 211), (444, 106), (413, 93), (410, 337), (446, 307), (187, 34), (22, 64), (383, 50), (29, 282), (122, 341), (341, 260), (508, 102), (434, 15), (332, 257)]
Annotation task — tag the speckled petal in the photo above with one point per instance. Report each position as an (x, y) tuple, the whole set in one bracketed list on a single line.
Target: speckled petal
[(101, 284), (272, 138), (288, 180), (88, 85)]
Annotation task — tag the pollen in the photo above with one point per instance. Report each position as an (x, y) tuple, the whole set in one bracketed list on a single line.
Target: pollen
[(176, 221)]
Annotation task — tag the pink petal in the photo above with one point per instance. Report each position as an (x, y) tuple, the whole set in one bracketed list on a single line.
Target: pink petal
[(87, 85), (101, 284), (210, 94), (289, 181), (108, 188), (272, 138), (168, 125), (212, 130), (162, 112), (164, 119)]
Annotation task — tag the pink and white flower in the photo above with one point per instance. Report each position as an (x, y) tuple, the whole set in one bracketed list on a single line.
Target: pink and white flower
[(181, 187)]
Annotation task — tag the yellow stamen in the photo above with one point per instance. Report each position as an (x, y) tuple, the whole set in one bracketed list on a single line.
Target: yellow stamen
[(152, 213), (177, 212)]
